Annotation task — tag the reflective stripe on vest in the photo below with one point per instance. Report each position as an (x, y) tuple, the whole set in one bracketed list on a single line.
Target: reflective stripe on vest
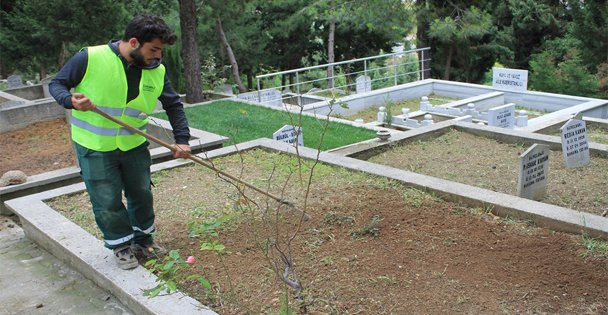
[(105, 83), (101, 131)]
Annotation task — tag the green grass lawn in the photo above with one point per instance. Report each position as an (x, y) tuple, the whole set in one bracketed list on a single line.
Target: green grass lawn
[(242, 122)]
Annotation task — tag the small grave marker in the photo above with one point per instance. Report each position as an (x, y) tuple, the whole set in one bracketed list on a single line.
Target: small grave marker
[(270, 97), (364, 84), (289, 134), (510, 79), (14, 81), (533, 172), (575, 147), (502, 116)]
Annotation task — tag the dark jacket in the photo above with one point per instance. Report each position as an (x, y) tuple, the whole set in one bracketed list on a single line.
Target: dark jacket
[(73, 71)]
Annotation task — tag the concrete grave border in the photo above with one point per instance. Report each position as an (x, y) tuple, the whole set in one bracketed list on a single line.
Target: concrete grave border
[(86, 254), (200, 141)]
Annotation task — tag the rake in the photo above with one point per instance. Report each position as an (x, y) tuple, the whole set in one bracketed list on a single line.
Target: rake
[(190, 156)]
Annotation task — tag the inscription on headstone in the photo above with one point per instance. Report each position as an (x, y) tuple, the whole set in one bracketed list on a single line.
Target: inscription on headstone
[(289, 134), (270, 97), (502, 116), (575, 147), (510, 79), (14, 81), (364, 84), (533, 172)]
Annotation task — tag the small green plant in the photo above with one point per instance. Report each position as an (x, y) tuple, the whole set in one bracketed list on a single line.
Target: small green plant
[(388, 118), (168, 273), (594, 247), (209, 232), (368, 229), (335, 218), (415, 197)]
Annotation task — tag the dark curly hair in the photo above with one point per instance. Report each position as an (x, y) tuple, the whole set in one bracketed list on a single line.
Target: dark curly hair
[(148, 27)]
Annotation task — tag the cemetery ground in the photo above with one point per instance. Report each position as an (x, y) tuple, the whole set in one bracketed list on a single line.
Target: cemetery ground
[(487, 163), (243, 122), (394, 108), (39, 148), (371, 245)]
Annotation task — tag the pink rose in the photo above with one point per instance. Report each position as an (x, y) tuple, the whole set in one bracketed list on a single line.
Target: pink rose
[(191, 260)]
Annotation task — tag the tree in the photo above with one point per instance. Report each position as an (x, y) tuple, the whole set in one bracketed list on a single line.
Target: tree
[(356, 29), (590, 27), (559, 68), (190, 55), (462, 43), (29, 25), (233, 63)]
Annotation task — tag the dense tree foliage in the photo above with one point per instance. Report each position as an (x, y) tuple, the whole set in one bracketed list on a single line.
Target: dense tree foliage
[(39, 36), (564, 44)]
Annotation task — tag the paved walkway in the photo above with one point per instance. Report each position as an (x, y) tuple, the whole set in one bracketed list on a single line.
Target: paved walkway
[(32, 281)]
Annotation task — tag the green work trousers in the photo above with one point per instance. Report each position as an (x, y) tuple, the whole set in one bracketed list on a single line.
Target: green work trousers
[(106, 175)]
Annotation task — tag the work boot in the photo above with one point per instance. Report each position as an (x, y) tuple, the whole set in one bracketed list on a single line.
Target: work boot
[(152, 250), (125, 258)]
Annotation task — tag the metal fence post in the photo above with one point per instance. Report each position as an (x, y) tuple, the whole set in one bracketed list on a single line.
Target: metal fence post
[(298, 89), (259, 92), (395, 68), (422, 66)]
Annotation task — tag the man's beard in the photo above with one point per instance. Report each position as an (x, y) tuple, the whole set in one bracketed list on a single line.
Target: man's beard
[(138, 58)]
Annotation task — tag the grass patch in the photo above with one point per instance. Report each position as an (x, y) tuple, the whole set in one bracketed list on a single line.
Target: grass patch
[(241, 122), (594, 247)]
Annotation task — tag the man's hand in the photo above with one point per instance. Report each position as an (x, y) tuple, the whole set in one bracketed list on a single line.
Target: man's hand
[(81, 102), (181, 151)]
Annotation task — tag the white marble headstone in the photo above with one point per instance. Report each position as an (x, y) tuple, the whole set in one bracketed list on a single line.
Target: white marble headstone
[(533, 172), (289, 134), (364, 84), (575, 147), (502, 116), (14, 81), (269, 97)]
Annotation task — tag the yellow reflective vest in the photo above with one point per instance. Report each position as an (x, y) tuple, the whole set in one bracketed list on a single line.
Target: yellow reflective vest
[(105, 83)]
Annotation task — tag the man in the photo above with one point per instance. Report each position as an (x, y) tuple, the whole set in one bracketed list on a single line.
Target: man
[(124, 79)]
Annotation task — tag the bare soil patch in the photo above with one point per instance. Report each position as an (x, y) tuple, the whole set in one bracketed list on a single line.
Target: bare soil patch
[(372, 246), (37, 148), (487, 163)]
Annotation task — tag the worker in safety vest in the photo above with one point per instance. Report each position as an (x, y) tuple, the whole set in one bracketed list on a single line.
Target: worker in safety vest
[(124, 78)]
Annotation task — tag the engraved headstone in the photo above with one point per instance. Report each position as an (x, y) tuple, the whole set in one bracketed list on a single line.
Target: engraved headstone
[(510, 79), (269, 97), (14, 81), (289, 134), (533, 172), (364, 84), (575, 147), (502, 116)]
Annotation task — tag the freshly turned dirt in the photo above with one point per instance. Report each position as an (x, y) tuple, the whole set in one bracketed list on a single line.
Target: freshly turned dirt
[(372, 246), (37, 148)]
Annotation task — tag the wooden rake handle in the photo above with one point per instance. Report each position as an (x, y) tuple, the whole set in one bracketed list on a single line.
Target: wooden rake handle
[(188, 154)]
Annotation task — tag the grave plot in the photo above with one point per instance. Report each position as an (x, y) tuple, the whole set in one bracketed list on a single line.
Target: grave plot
[(484, 162), (38, 148), (371, 246), (370, 113), (597, 130)]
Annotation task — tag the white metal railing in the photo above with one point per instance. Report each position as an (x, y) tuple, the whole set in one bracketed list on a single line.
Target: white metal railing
[(351, 76)]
